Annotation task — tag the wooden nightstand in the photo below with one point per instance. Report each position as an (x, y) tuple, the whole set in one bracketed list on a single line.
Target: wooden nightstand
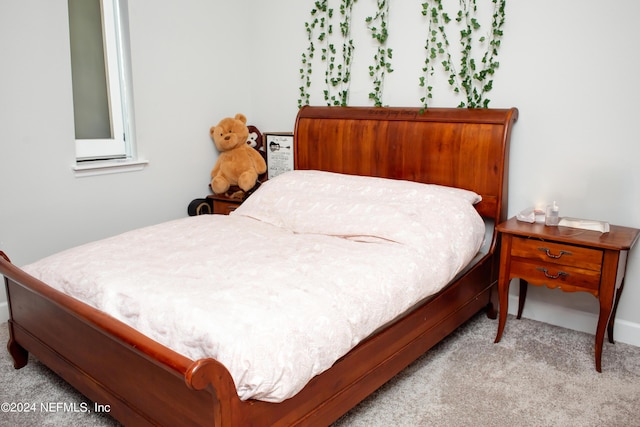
[(567, 258), (223, 204)]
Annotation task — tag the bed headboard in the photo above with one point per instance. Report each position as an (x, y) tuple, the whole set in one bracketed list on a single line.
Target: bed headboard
[(465, 148)]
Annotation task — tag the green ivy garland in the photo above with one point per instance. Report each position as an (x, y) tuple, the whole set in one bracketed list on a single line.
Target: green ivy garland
[(342, 78), (318, 17), (473, 79), (337, 76), (378, 27)]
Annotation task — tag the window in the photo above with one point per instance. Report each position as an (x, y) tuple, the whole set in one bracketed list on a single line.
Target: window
[(101, 75)]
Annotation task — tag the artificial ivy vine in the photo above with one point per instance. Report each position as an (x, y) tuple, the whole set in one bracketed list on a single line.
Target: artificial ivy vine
[(473, 79), (308, 56), (378, 27), (337, 76)]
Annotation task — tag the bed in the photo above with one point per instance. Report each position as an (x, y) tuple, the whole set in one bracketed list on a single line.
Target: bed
[(147, 383)]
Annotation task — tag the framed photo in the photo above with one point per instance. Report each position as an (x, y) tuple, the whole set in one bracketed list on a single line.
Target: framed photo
[(279, 147)]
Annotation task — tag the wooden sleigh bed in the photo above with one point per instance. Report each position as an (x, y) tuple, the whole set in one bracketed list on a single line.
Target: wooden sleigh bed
[(145, 383)]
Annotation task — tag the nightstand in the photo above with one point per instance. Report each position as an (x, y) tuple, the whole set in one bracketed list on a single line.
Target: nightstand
[(223, 204), (570, 259)]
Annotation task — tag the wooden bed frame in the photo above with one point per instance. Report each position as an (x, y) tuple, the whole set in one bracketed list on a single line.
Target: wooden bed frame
[(145, 383)]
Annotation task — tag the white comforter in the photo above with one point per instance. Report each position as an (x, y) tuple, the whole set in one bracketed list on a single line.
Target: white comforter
[(306, 268)]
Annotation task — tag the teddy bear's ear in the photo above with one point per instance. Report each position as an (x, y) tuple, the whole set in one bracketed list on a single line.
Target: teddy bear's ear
[(241, 117)]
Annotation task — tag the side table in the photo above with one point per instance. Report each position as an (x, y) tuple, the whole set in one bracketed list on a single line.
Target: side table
[(223, 204), (570, 259)]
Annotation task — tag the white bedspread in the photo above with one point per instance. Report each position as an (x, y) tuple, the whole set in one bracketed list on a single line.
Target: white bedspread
[(306, 268)]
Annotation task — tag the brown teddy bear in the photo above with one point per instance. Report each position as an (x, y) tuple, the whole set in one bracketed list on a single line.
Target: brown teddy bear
[(238, 163)]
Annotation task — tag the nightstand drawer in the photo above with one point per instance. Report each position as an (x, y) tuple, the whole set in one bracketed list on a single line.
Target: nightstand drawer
[(557, 253), (554, 275), (224, 207)]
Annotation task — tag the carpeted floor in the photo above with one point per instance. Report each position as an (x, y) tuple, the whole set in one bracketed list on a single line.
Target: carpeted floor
[(538, 375)]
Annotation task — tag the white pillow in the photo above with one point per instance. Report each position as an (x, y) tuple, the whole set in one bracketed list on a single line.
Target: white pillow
[(362, 208)]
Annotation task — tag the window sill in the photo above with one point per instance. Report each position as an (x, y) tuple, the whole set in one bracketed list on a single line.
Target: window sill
[(108, 167)]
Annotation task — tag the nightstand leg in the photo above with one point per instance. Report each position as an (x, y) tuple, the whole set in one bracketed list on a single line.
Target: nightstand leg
[(602, 322), (607, 298), (612, 318), (504, 281), (522, 297), (503, 294)]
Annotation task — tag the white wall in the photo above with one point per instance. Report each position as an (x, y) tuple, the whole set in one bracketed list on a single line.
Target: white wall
[(568, 66), (187, 76)]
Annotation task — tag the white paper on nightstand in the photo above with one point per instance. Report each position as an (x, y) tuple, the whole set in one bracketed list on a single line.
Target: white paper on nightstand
[(585, 224)]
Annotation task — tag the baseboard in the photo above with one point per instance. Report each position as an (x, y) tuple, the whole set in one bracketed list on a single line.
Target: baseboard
[(624, 331), (4, 311)]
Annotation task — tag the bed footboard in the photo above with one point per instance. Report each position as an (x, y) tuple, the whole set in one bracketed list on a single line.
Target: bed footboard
[(140, 381)]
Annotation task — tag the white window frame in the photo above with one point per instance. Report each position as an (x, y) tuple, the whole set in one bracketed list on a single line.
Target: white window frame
[(98, 156)]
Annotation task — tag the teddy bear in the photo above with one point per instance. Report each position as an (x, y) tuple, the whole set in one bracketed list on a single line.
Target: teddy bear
[(238, 164)]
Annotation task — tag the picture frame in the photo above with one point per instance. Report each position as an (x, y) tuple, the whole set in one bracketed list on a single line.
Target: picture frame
[(279, 148)]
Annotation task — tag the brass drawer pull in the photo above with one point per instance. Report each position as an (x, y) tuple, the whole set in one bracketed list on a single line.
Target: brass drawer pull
[(546, 273), (550, 255)]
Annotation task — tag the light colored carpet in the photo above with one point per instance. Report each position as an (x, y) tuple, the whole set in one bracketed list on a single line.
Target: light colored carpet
[(538, 375)]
